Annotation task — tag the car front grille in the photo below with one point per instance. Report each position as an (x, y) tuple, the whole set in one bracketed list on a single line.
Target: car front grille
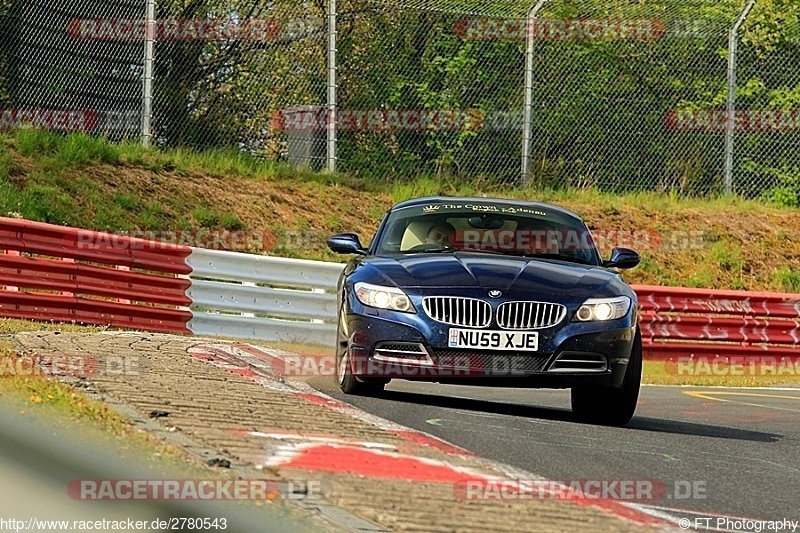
[(478, 363), (458, 311), (529, 315)]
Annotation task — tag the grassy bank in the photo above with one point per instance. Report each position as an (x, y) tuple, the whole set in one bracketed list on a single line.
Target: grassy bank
[(77, 180)]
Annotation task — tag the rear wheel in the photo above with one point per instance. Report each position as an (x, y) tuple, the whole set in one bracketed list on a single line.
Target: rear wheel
[(344, 365), (609, 406)]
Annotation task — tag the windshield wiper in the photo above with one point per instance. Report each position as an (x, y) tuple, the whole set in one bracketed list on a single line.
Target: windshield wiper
[(430, 249), (562, 257), (493, 252)]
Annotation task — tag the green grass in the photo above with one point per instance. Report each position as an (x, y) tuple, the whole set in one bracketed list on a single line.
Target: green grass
[(32, 389), (209, 219), (60, 152), (662, 373), (55, 152), (789, 279), (5, 163), (65, 151)]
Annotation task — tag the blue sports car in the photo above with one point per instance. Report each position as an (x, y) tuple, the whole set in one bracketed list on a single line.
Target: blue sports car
[(491, 292)]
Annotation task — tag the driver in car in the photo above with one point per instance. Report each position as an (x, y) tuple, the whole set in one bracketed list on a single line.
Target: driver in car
[(440, 234)]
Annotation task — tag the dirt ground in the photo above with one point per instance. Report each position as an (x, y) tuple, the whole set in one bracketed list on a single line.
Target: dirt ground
[(725, 247)]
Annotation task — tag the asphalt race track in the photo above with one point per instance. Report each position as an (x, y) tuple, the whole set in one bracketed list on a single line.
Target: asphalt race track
[(716, 451)]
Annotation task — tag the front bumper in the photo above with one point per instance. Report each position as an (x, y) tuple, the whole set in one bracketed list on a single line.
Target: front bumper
[(394, 345)]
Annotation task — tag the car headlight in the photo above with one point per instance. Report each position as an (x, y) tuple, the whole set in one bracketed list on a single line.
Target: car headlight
[(600, 309), (383, 297)]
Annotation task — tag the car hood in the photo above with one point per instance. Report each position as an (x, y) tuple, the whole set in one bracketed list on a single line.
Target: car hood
[(488, 271)]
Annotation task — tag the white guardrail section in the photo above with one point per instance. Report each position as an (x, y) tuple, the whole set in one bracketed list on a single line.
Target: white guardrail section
[(263, 298)]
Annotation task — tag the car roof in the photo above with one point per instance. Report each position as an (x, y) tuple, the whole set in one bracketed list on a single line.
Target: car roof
[(486, 201)]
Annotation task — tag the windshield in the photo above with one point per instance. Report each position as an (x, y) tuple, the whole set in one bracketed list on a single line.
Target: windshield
[(506, 229)]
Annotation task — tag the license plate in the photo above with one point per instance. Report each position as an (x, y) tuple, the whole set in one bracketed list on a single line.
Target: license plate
[(494, 339)]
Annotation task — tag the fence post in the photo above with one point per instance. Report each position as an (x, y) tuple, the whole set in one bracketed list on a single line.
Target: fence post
[(332, 89), (147, 75), (527, 118), (730, 111)]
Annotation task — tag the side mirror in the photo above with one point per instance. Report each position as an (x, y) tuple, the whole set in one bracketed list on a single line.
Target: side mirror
[(623, 258), (346, 243)]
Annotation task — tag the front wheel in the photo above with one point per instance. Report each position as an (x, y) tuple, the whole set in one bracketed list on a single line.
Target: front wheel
[(344, 369), (609, 406)]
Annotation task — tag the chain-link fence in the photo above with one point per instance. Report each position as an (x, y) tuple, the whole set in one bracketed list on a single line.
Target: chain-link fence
[(425, 97), (609, 104), (53, 77), (623, 95), (766, 155), (618, 95), (224, 71), (227, 72)]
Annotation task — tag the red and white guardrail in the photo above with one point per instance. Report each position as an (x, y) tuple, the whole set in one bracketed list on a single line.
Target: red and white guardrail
[(65, 274), (679, 322), (46, 275)]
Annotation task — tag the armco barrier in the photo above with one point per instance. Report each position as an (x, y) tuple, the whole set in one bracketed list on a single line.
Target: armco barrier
[(273, 298), (699, 322), (71, 275), (98, 278)]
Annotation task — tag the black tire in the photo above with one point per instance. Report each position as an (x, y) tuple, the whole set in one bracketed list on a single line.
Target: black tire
[(609, 406), (344, 370)]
